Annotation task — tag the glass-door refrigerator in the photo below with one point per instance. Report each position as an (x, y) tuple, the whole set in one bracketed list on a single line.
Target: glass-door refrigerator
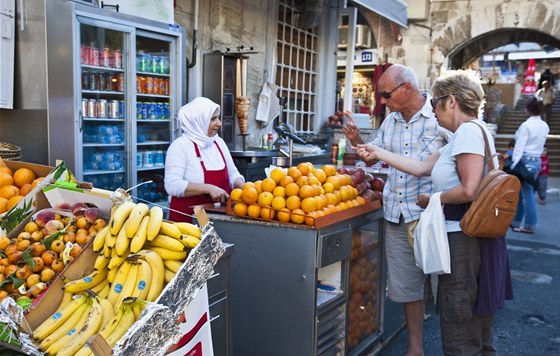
[(128, 80)]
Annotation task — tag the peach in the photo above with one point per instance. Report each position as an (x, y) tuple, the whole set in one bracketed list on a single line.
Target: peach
[(53, 226), (43, 217), (64, 206)]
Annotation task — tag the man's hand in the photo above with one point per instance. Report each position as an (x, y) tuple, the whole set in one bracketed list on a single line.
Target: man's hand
[(423, 200), (351, 130), (368, 153)]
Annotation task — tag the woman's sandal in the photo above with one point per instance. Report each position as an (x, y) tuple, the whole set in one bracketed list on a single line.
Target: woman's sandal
[(524, 230)]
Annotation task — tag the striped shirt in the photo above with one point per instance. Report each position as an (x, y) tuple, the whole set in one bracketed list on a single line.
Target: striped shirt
[(417, 139)]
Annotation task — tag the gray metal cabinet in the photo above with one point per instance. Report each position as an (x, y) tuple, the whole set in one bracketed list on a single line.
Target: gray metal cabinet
[(290, 284)]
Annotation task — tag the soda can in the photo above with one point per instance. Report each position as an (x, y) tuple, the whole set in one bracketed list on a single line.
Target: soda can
[(117, 59), (82, 54), (87, 55), (145, 64), (156, 85), (147, 159), (139, 111), (155, 64), (167, 88), (120, 82), (139, 159), (94, 57), (161, 111), (102, 108), (85, 108), (163, 86), (164, 65), (149, 85), (105, 57), (152, 111), (85, 81), (121, 108), (138, 84), (92, 108), (93, 82), (102, 81), (114, 109), (165, 111), (158, 158), (145, 107)]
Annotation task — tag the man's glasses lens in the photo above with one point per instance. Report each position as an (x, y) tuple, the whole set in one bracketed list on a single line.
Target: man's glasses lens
[(387, 95)]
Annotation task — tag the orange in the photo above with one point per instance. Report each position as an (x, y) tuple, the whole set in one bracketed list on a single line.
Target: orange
[(235, 194), (278, 203), (334, 181), (310, 218), (303, 167), (6, 170), (267, 213), (303, 180), (293, 202), (361, 200), (279, 191), (320, 213), (329, 169), (286, 180), (331, 198), (25, 189), (249, 195), (342, 205), (283, 215), (248, 184), (258, 185), (313, 180), (294, 173), (332, 208), (321, 175), (321, 201), (346, 193), (6, 179), (36, 182), (278, 174), (9, 191), (23, 176), (308, 205), (306, 191), (316, 189), (338, 196), (291, 189), (13, 201), (268, 185), (254, 211), (328, 187), (265, 199), (297, 216), (3, 205)]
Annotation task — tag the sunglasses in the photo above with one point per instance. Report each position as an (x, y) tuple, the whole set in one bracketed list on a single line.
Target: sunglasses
[(434, 101), (387, 94)]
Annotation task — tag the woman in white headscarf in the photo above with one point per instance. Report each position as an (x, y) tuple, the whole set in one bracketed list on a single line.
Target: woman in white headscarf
[(198, 166)]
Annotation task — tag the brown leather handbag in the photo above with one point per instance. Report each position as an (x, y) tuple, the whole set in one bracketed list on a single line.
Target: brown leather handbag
[(493, 209)]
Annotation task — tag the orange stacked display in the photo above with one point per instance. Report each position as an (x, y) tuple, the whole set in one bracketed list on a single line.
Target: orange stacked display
[(14, 185), (302, 195)]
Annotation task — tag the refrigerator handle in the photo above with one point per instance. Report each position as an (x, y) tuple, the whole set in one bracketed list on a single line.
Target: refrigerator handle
[(80, 120)]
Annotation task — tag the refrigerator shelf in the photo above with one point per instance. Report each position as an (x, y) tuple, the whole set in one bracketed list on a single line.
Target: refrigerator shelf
[(152, 74), (90, 68), (152, 121), (89, 172), (150, 168), (104, 92), (152, 95), (92, 144), (107, 119), (153, 143)]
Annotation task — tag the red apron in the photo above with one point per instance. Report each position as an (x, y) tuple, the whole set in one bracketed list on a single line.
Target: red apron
[(219, 178)]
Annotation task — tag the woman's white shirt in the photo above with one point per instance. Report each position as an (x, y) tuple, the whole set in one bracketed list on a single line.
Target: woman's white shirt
[(530, 138)]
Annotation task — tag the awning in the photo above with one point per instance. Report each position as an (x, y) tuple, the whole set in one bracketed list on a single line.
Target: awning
[(394, 10)]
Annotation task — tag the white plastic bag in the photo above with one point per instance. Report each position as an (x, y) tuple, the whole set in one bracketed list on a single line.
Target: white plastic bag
[(431, 248)]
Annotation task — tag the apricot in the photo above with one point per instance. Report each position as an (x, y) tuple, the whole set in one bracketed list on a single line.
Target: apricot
[(11, 269), (48, 257), (69, 237), (58, 246), (82, 239), (82, 223), (3, 294), (23, 245), (37, 236), (24, 235), (15, 257), (10, 249), (24, 272), (99, 224), (47, 274), (4, 242), (75, 251), (39, 264), (57, 265), (4, 262), (37, 248)]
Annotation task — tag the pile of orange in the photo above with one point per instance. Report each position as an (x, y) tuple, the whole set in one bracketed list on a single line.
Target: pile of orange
[(15, 185), (300, 195)]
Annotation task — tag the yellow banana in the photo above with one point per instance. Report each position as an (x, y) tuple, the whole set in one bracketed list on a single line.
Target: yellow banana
[(111, 275), (167, 242), (91, 327), (57, 319), (105, 291), (112, 323), (110, 240), (158, 273), (106, 308), (118, 284), (86, 282), (66, 298), (60, 343), (135, 218), (101, 262), (106, 249), (143, 281), (128, 285), (120, 216), (99, 239), (84, 351), (123, 242), (167, 254), (169, 275), (189, 229), (65, 327), (124, 324), (169, 229), (99, 287), (156, 218), (117, 260), (139, 237), (173, 266), (138, 306), (189, 241)]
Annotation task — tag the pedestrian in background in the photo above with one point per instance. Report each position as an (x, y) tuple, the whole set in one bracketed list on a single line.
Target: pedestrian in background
[(530, 138), (543, 176), (546, 76), (509, 152), (548, 95), (480, 280), (410, 130)]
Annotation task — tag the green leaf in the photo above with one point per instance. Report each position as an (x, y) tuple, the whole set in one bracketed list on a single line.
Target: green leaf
[(47, 241), (28, 258), (17, 282), (15, 216)]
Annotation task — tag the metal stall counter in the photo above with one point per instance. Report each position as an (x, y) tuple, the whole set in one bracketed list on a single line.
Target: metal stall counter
[(301, 290)]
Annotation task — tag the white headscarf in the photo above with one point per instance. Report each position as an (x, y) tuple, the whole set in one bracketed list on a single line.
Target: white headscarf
[(195, 118)]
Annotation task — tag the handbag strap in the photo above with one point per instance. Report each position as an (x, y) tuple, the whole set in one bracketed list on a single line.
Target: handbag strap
[(488, 156)]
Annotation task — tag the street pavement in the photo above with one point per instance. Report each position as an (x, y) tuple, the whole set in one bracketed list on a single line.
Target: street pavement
[(530, 323)]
